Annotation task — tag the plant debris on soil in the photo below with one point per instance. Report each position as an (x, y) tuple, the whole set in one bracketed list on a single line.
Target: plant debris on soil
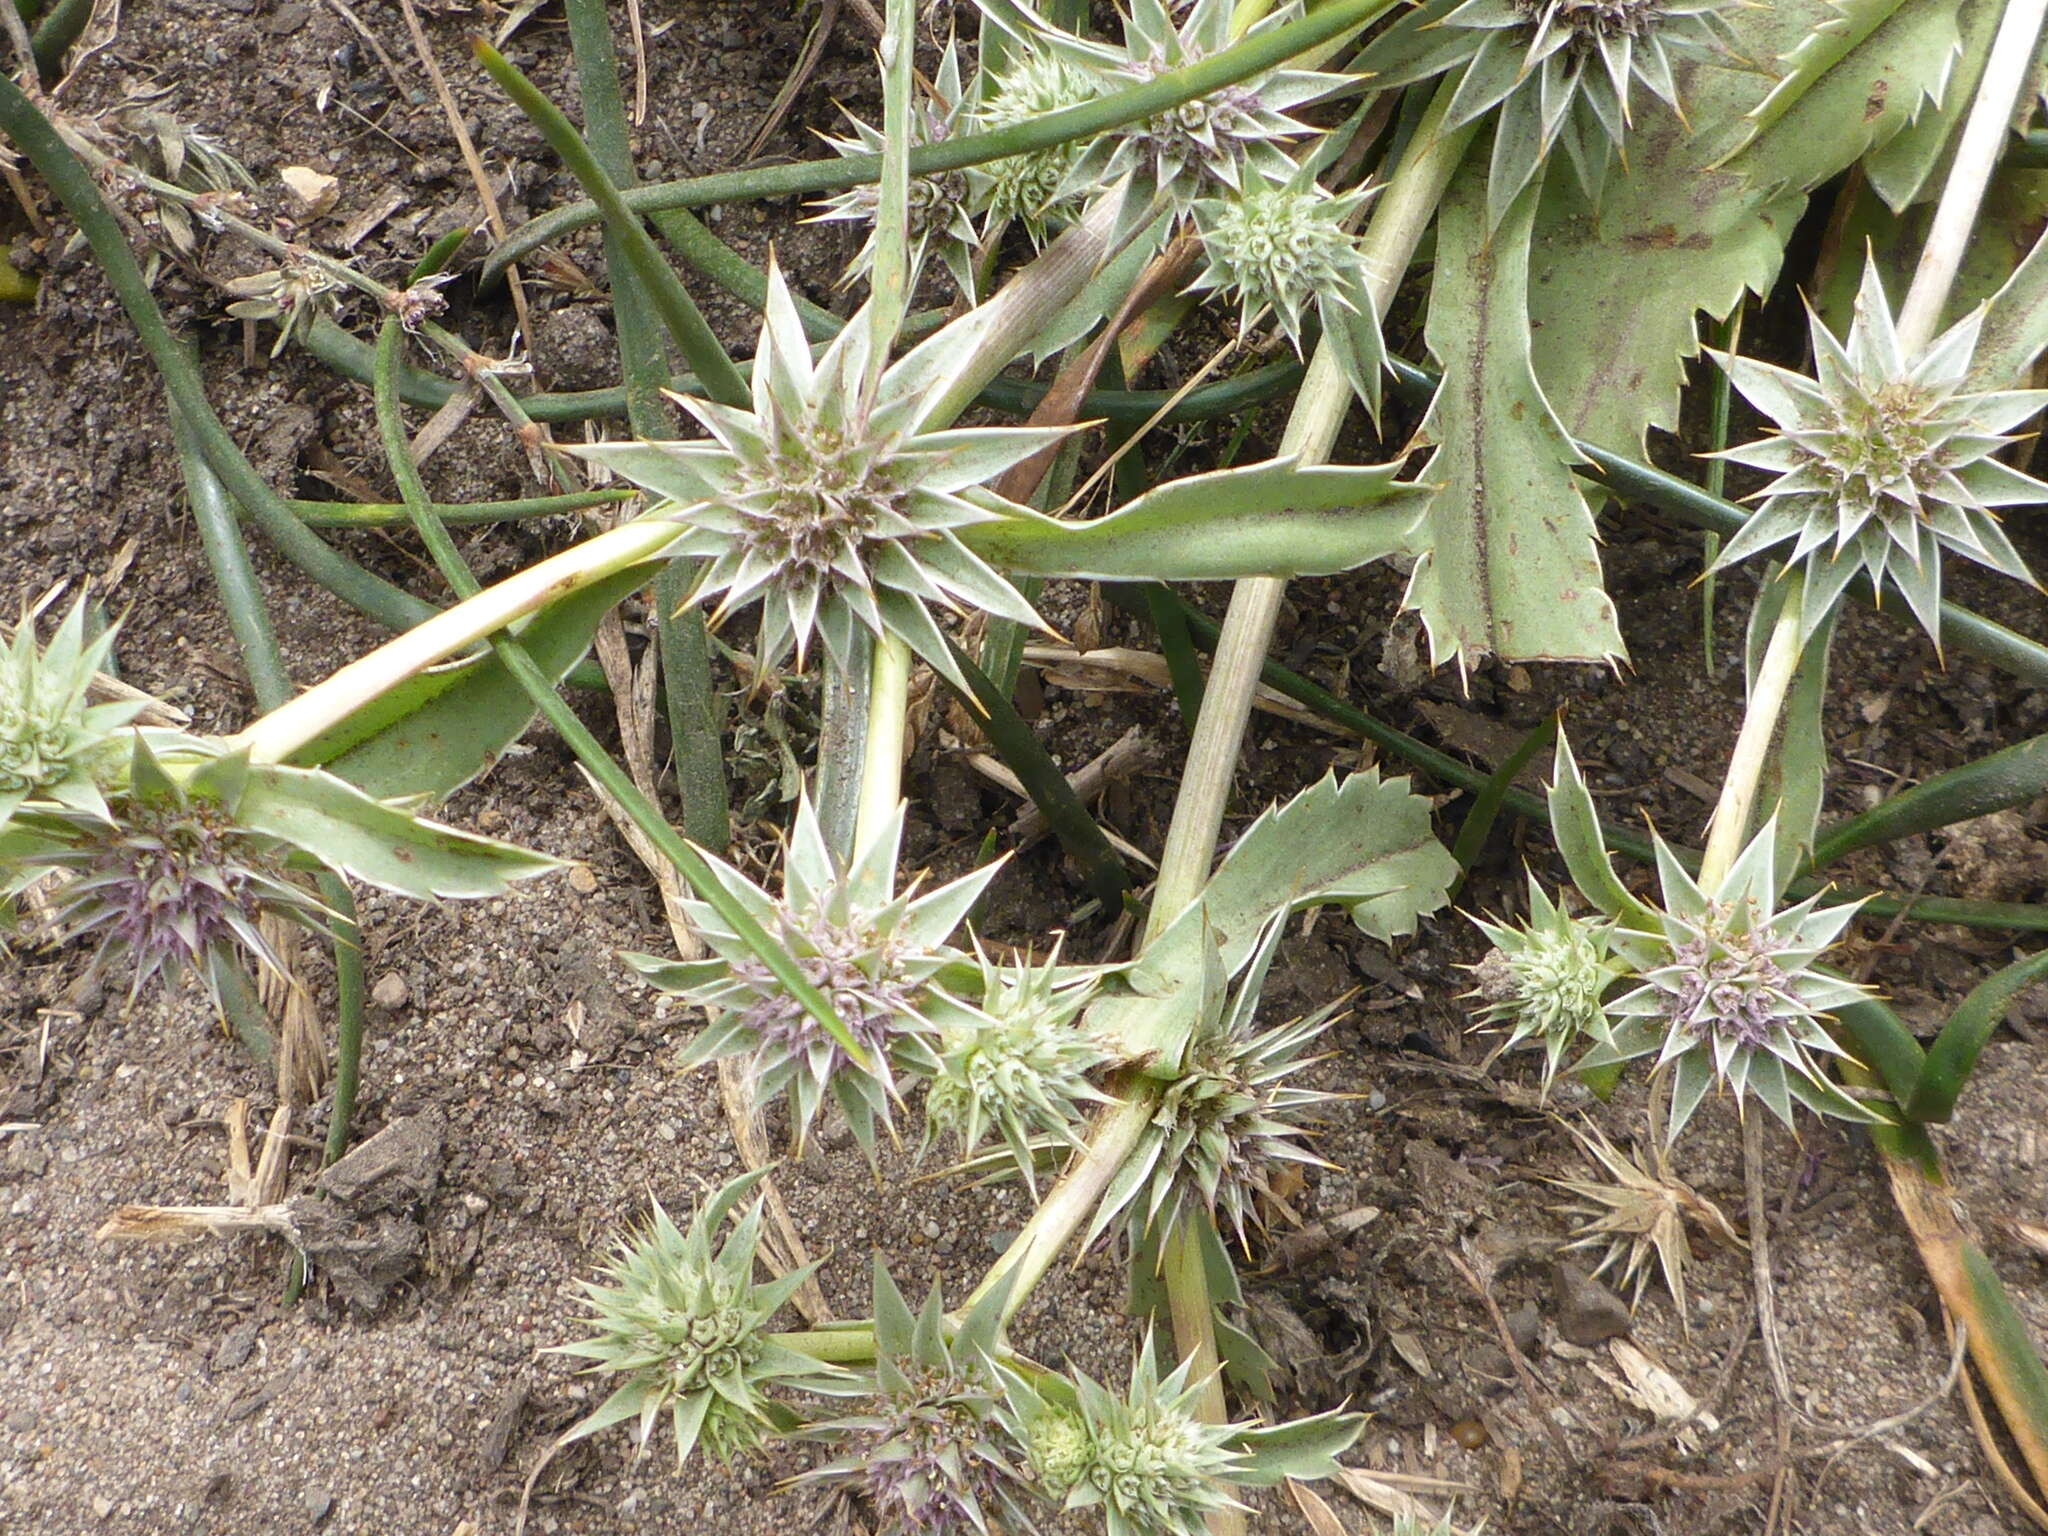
[(520, 1100)]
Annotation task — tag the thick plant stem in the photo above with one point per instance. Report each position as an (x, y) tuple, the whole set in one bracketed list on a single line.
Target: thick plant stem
[(2010, 64), (1067, 1206), (1400, 216), (1403, 212), (1774, 674), (881, 773)]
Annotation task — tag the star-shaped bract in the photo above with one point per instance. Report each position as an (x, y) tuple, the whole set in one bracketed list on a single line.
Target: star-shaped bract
[(824, 503), (872, 951), (1883, 461)]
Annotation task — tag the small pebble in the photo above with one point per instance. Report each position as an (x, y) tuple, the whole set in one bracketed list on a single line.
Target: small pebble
[(582, 880), (391, 992), (318, 1504)]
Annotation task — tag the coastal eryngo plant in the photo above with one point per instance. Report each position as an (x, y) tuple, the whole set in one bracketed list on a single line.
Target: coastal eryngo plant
[(1883, 461), (825, 502), (927, 1449), (165, 880), (55, 744), (871, 950), (1731, 991), (1033, 188), (1146, 1459), (1015, 1064), (1287, 247), (1228, 1120), (1546, 981), (1231, 139), (938, 205), (1560, 71), (686, 1329)]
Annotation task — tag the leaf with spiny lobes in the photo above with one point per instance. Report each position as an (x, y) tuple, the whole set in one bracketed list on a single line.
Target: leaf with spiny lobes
[(1701, 217), (1510, 564)]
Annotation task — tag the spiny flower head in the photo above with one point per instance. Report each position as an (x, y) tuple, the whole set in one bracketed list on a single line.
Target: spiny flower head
[(1883, 461), (1033, 188), (1558, 70), (687, 1329), (1146, 1458), (1285, 246), (1228, 1119), (164, 878), (54, 744), (294, 295), (928, 1450), (1545, 980), (826, 502), (872, 951), (1229, 139), (1016, 1064), (938, 203), (1730, 990)]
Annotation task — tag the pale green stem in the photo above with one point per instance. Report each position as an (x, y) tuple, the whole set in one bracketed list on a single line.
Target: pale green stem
[(283, 731), (1400, 215), (881, 773), (889, 280), (1774, 674), (1068, 1204), (1955, 217)]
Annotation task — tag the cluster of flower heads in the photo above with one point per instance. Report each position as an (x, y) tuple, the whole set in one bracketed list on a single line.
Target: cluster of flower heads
[(686, 1329), (1884, 461), (1727, 989), (949, 1435), (1225, 164)]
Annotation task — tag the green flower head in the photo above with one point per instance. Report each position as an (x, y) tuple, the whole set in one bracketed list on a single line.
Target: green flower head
[(55, 744), (928, 1450), (1033, 188), (827, 505), (1731, 991), (687, 1330), (1017, 1064), (1545, 981), (1883, 463), (1146, 1459), (874, 953), (1285, 247)]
